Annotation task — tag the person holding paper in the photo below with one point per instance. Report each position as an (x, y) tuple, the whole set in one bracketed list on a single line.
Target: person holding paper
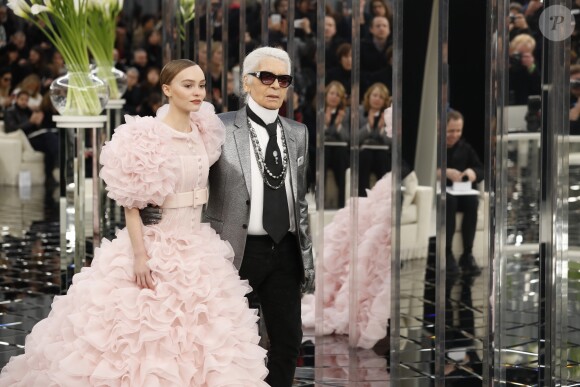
[(463, 164)]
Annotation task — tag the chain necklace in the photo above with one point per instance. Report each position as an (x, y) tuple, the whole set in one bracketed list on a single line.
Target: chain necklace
[(264, 171)]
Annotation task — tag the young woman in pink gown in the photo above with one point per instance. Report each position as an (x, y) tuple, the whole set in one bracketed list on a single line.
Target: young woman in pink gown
[(161, 305)]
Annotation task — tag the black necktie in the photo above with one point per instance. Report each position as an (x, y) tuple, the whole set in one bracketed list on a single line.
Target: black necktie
[(275, 218)]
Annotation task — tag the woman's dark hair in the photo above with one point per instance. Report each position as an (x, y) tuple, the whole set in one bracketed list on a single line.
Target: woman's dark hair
[(343, 50)]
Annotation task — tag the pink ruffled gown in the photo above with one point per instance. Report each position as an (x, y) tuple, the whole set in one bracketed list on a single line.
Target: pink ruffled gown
[(195, 328), (373, 269)]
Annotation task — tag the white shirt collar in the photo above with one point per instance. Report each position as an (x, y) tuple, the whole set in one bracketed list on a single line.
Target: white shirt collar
[(269, 116)]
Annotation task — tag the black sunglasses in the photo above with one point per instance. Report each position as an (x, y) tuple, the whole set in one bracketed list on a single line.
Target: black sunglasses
[(267, 78)]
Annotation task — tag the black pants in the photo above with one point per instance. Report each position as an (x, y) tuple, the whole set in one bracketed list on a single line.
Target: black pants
[(273, 273), (467, 205), (47, 143), (375, 161), (336, 158)]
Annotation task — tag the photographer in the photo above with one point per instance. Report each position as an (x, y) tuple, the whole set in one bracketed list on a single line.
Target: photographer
[(518, 25), (524, 75)]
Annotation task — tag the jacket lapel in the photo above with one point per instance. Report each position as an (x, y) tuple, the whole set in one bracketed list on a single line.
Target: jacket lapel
[(242, 137), (292, 156)]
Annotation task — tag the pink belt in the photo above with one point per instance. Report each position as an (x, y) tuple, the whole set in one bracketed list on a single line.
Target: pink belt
[(193, 199)]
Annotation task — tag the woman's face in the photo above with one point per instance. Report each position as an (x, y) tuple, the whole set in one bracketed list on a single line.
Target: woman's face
[(346, 61), (378, 8), (153, 77), (377, 99), (33, 56), (332, 97), (216, 56), (187, 90)]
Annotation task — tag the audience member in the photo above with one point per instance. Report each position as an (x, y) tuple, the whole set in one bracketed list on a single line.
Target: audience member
[(20, 116), (375, 155), (337, 135), (32, 85), (342, 71), (463, 164), (524, 76), (133, 95)]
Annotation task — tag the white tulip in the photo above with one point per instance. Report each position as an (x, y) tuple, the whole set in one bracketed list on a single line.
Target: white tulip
[(37, 8), (20, 7)]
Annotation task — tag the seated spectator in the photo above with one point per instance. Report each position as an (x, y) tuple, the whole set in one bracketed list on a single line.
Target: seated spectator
[(141, 62), (332, 41), (377, 8), (341, 73), (373, 50), (6, 97), (463, 164), (20, 116), (151, 104), (56, 67), (133, 95), (32, 85), (337, 130), (524, 75), (150, 85), (372, 134), (518, 25)]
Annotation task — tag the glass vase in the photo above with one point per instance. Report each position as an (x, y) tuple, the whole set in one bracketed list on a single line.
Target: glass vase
[(115, 78), (79, 93)]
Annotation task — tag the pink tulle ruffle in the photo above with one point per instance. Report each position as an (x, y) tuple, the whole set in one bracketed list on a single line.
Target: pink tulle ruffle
[(373, 269), (193, 329), (137, 166)]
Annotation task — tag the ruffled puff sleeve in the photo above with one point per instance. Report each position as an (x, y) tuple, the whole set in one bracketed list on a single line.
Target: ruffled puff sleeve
[(212, 130), (137, 166)]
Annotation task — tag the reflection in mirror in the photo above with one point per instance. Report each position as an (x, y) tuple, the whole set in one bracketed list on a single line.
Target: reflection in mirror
[(518, 304), (353, 260)]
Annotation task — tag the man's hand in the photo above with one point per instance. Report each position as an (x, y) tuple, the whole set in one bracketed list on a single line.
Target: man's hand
[(151, 215), (308, 285), (453, 174), (470, 173)]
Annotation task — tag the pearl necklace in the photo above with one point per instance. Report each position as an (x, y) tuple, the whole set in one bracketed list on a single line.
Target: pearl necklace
[(260, 159)]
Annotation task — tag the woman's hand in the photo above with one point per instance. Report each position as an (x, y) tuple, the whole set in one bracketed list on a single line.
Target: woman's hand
[(142, 272)]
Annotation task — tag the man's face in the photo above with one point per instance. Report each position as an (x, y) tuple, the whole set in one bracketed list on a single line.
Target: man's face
[(380, 28), (141, 58), (454, 131), (520, 21), (329, 27), (268, 96)]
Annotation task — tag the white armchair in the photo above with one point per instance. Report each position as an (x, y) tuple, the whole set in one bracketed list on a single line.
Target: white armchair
[(17, 155)]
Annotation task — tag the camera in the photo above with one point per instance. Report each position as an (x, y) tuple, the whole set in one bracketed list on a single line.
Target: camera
[(464, 178)]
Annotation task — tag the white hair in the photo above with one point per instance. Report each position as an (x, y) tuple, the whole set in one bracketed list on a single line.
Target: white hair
[(254, 58)]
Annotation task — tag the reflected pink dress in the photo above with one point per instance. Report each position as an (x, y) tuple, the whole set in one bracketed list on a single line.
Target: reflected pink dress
[(373, 269), (195, 327)]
